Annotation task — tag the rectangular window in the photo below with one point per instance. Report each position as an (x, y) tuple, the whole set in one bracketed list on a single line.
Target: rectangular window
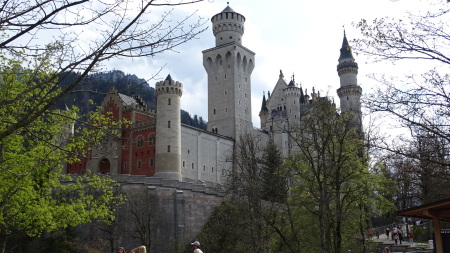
[(168, 124), (151, 162), (183, 164), (168, 149), (168, 101), (125, 166)]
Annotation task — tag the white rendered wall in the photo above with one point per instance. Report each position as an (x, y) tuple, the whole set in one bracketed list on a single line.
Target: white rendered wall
[(205, 156)]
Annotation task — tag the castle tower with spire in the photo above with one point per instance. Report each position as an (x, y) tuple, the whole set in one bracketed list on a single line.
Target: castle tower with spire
[(349, 92), (229, 66), (292, 96), (168, 129)]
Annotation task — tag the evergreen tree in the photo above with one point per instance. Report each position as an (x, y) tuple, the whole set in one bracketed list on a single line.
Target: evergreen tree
[(274, 180)]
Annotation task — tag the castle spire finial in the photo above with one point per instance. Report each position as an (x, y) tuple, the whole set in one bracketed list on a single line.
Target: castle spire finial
[(343, 26)]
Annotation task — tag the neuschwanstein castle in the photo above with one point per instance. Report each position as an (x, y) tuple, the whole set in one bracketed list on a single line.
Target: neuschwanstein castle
[(156, 144)]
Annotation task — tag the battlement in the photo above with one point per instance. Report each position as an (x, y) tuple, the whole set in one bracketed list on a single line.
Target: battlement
[(228, 27), (292, 91), (347, 67), (169, 87)]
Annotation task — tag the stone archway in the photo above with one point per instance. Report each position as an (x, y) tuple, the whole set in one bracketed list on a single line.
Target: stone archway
[(105, 166)]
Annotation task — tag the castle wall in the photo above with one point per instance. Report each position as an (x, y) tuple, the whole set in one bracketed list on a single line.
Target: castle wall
[(205, 156), (171, 213)]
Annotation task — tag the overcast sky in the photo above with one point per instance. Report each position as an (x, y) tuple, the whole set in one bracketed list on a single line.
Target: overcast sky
[(300, 37)]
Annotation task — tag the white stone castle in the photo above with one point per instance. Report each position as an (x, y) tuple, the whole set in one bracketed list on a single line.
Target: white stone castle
[(158, 145)]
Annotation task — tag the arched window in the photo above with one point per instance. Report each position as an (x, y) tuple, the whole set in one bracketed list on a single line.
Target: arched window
[(140, 142), (151, 140)]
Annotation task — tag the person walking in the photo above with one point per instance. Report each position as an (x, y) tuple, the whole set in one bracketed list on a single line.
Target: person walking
[(387, 233), (196, 247), (396, 238), (377, 233)]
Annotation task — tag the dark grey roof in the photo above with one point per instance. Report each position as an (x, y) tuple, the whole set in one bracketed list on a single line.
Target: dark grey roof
[(346, 50), (302, 96), (291, 84), (277, 114), (228, 9), (127, 100), (168, 78), (264, 106)]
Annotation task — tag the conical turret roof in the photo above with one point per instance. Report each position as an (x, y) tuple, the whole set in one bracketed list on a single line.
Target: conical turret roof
[(264, 106), (346, 50), (228, 9)]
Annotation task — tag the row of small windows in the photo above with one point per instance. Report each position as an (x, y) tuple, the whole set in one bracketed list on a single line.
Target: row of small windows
[(193, 166), (226, 110), (151, 163), (216, 79), (218, 62), (140, 142)]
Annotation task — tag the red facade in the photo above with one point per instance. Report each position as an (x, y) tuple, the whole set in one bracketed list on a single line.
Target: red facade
[(137, 142)]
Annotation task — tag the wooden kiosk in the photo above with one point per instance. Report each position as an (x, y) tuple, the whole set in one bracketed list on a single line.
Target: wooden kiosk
[(436, 211)]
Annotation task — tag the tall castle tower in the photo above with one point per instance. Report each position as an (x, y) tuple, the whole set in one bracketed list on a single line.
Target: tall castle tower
[(350, 92), (168, 129), (229, 66), (292, 97)]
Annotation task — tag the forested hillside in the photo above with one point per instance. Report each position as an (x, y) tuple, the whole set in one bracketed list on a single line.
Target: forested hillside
[(90, 93)]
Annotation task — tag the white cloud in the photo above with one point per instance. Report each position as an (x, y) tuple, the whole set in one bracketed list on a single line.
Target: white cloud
[(298, 37)]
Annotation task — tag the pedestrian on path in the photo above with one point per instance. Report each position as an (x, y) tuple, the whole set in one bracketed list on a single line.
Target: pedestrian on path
[(387, 233), (196, 247), (377, 233)]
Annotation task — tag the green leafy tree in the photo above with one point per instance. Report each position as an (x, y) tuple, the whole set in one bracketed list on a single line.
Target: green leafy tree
[(41, 45), (330, 178), (35, 197)]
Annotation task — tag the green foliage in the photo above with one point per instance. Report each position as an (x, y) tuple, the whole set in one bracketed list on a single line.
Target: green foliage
[(35, 197), (274, 180), (228, 230), (331, 188)]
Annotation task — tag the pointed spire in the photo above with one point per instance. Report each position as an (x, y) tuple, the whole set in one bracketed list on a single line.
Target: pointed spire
[(228, 8), (302, 96), (292, 82), (264, 106), (169, 78), (346, 50)]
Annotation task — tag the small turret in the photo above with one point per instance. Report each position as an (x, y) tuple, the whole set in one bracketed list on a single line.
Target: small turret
[(228, 26), (168, 129), (292, 103), (350, 92), (264, 113)]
